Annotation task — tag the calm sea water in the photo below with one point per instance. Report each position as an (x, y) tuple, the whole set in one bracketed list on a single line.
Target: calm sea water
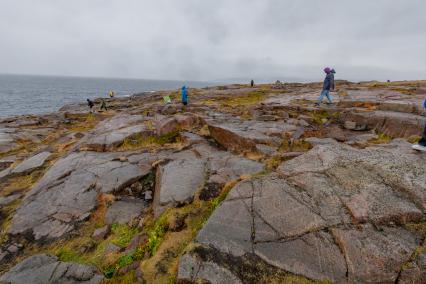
[(22, 94)]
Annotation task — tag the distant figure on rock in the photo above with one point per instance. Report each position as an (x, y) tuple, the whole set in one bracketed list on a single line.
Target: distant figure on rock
[(328, 81), (111, 94), (184, 93), (252, 83), (103, 105), (421, 146), (90, 104)]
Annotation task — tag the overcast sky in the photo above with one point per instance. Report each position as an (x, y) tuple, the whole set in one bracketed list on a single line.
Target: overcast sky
[(215, 39)]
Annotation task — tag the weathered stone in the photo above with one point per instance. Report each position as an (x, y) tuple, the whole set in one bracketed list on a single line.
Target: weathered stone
[(101, 233), (112, 132), (32, 163), (376, 184), (243, 136), (387, 122), (165, 125), (178, 181), (314, 255), (195, 270), (415, 273), (191, 139), (6, 162), (4, 201), (67, 193), (373, 256), (186, 121), (124, 211), (44, 268)]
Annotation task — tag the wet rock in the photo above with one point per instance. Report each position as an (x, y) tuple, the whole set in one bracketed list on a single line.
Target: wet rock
[(44, 268), (124, 211), (32, 163), (101, 233), (71, 187), (373, 256)]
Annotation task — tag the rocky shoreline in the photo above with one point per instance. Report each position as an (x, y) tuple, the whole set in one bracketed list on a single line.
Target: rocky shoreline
[(245, 185)]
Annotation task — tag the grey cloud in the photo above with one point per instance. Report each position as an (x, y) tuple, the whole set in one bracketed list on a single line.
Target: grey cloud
[(221, 39)]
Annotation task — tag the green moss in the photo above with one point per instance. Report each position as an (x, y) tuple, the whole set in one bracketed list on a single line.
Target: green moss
[(382, 138), (322, 116), (122, 234)]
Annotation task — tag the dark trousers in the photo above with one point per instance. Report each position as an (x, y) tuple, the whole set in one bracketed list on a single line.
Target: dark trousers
[(423, 140)]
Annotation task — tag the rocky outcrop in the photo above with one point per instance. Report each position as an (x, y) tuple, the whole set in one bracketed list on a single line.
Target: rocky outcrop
[(67, 193), (243, 136), (124, 211), (203, 168), (386, 122), (335, 213), (112, 132), (43, 268), (32, 163)]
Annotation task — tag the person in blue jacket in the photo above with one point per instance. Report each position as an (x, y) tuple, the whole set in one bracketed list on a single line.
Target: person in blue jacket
[(184, 93), (421, 146), (326, 87)]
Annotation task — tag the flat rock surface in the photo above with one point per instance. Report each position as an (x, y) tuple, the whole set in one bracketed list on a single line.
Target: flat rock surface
[(319, 216), (67, 192), (124, 211), (43, 268), (32, 163), (240, 136), (112, 132)]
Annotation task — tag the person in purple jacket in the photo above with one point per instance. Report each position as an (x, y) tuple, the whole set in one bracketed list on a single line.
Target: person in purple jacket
[(421, 146)]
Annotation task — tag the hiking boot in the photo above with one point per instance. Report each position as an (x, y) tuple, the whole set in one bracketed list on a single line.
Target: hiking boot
[(419, 147)]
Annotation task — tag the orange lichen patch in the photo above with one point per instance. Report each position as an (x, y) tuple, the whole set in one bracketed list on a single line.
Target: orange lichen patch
[(98, 216)]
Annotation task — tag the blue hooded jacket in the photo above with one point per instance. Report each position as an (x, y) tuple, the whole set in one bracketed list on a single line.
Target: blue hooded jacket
[(184, 93)]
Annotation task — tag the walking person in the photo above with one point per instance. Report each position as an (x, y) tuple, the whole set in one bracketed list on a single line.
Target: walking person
[(252, 83), (184, 94), (326, 87), (421, 145), (103, 105), (90, 104)]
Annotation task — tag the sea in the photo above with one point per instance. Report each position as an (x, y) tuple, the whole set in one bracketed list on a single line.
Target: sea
[(30, 94)]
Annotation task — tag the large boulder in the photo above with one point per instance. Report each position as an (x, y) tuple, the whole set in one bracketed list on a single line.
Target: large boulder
[(67, 193), (243, 136), (387, 122), (43, 268), (334, 214)]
